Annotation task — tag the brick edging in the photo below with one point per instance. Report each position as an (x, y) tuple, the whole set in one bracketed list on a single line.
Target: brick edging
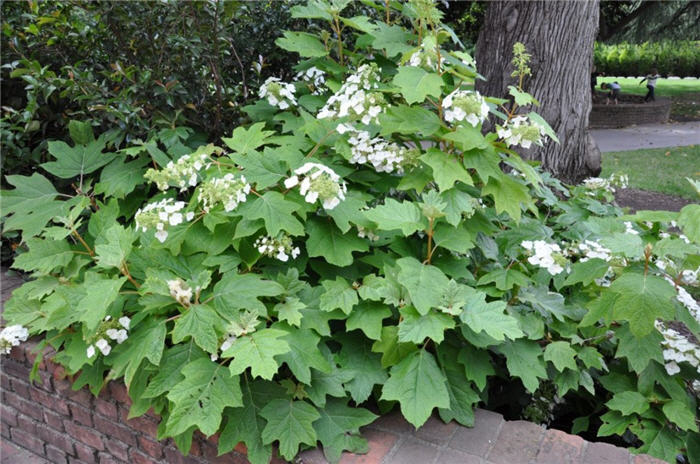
[(62, 425), (627, 114)]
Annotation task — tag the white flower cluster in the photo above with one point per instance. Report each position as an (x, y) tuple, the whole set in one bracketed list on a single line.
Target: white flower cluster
[(677, 348), (384, 156), (314, 77), (318, 182), (180, 291), (160, 216), (465, 105), (545, 255), (690, 277), (279, 248), (278, 93), (355, 98), (367, 233), (521, 131), (110, 330), (592, 249), (426, 56), (629, 228), (610, 184), (228, 190), (248, 321), (11, 336), (182, 173)]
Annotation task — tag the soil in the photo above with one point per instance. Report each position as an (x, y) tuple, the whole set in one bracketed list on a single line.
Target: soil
[(643, 200)]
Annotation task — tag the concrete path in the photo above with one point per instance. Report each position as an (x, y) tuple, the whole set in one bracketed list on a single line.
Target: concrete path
[(648, 136)]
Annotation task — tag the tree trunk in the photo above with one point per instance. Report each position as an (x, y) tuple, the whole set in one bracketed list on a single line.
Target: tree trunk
[(559, 35)]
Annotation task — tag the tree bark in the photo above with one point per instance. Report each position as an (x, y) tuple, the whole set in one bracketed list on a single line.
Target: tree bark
[(559, 35)]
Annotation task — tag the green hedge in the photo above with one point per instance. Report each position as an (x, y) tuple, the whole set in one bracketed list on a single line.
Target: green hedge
[(671, 58)]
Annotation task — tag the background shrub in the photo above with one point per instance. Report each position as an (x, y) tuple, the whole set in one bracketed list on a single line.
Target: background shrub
[(670, 57)]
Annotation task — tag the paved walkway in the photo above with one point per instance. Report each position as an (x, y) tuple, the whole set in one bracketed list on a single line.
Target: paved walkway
[(648, 136)]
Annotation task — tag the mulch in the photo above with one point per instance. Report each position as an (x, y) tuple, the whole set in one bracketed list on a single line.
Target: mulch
[(636, 200)]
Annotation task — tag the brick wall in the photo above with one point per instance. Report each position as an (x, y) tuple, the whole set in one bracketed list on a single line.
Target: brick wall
[(52, 420), (629, 114)]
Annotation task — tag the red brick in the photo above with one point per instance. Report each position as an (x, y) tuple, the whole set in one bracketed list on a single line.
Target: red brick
[(142, 424), (84, 435), (44, 381), (380, 443), (4, 430), (17, 354), (81, 415), (54, 420), (59, 373), (394, 423), (20, 387), (646, 459), (560, 447), (604, 453), (57, 439), (55, 455), (115, 430), (27, 407), (55, 403), (436, 431), (518, 441), (119, 393), (106, 408), (413, 452), (449, 456), (65, 389), (27, 440), (14, 369), (150, 447), (117, 449), (72, 460), (104, 458), (173, 456), (26, 423), (5, 381), (137, 457), (478, 440), (85, 453), (8, 415)]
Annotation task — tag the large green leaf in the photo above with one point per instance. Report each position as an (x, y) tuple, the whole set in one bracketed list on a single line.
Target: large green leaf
[(477, 365), (689, 221), (31, 203), (44, 256), (639, 351), (392, 215), (169, 371), (389, 346), (304, 353), (199, 322), (523, 359), (561, 355), (628, 402), (426, 284), (642, 299), (101, 292), (404, 119), (368, 316), (146, 341), (241, 291), (416, 84), (257, 351), (394, 39), (114, 246), (462, 396), (200, 398), (244, 140), (275, 211), (306, 45), (326, 241), (289, 422), (245, 424), (419, 385), (338, 294), (489, 317), (262, 169), (338, 428), (508, 196), (78, 160), (446, 169), (415, 327), (365, 366), (119, 178), (680, 414)]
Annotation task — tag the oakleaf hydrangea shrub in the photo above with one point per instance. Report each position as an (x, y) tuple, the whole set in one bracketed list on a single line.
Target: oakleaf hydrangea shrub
[(361, 243)]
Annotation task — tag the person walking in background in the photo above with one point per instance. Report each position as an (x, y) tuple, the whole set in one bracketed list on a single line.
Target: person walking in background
[(594, 79), (651, 84)]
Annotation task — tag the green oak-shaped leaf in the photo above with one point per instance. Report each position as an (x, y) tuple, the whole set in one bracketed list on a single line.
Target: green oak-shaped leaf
[(275, 211), (523, 360), (169, 370), (391, 349), (416, 84), (665, 444), (628, 402), (680, 414), (368, 316), (101, 292), (426, 284), (394, 39), (257, 351), (642, 299), (392, 215), (615, 423), (477, 365), (587, 271), (338, 294), (245, 140), (44, 256), (200, 399), (199, 322), (30, 205), (146, 341), (689, 221), (306, 45), (561, 355), (304, 353), (113, 247), (639, 351), (404, 119), (447, 169), (462, 396), (245, 424), (289, 310), (241, 291), (338, 428), (416, 328), (262, 169), (78, 160), (326, 241), (366, 368), (508, 196), (120, 177), (419, 386), (489, 317), (456, 204), (291, 423)]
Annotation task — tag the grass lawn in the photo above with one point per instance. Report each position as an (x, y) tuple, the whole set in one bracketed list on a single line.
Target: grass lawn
[(685, 94), (658, 170)]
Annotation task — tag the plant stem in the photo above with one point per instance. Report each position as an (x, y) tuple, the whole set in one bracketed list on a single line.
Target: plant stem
[(125, 271), (340, 41), (430, 242), (80, 239)]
